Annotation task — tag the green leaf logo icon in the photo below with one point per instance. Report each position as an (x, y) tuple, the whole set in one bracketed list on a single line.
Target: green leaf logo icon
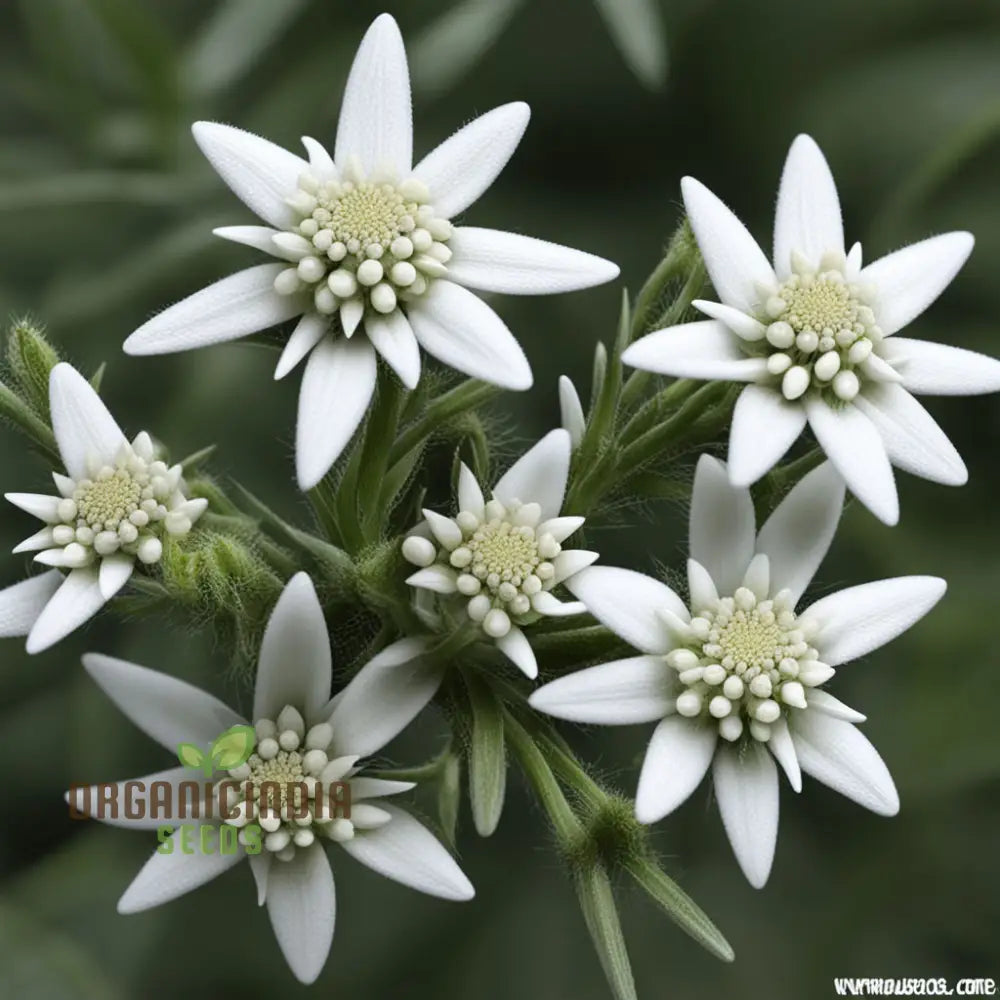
[(233, 747), (191, 756)]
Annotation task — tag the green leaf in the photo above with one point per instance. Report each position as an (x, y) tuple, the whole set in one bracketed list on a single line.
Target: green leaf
[(190, 755), (487, 757), (449, 796), (233, 747), (593, 889)]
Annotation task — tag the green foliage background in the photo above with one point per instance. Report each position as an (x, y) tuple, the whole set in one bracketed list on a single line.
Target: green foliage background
[(106, 209)]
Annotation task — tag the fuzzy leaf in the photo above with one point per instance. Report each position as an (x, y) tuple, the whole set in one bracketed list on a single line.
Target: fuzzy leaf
[(487, 757)]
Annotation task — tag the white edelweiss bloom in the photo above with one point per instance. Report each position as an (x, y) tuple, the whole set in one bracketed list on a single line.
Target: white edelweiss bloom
[(741, 663), (815, 335), (504, 556), (302, 736), (115, 503), (366, 236)]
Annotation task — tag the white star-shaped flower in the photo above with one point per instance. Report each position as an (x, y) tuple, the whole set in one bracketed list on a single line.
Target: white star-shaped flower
[(115, 503), (815, 335), (502, 557), (737, 671), (302, 735), (367, 236)]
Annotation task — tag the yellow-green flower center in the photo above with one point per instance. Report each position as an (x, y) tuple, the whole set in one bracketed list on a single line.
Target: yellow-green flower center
[(107, 502)]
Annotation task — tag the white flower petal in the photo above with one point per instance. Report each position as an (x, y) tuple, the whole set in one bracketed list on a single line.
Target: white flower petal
[(572, 561), (571, 411), (320, 161), (261, 174), (797, 536), (234, 307), (374, 788), (136, 798), (376, 117), (439, 579), (732, 256), (444, 529), (909, 280), (407, 852), (721, 525), (701, 587), (546, 604), (394, 340), (337, 387), (384, 696), (678, 757), (470, 496), (859, 619), (465, 165), (463, 332), (294, 664), (83, 427), (539, 475), (912, 438), (39, 505), (260, 868), (620, 693), (629, 604), (302, 905), (167, 876), (560, 528), (515, 646), (114, 573), (807, 219), (707, 349), (258, 237), (837, 754), (22, 603), (746, 785), (855, 447), (781, 746), (169, 710), (765, 426), (745, 327), (823, 701), (77, 600), (494, 261), (308, 332), (938, 370)]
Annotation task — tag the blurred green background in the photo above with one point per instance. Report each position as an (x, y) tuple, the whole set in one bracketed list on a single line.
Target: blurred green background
[(106, 209)]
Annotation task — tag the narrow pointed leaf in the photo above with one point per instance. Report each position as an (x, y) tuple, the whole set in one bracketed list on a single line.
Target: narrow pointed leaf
[(487, 757)]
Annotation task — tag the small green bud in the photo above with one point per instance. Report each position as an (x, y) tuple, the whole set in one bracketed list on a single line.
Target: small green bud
[(31, 358)]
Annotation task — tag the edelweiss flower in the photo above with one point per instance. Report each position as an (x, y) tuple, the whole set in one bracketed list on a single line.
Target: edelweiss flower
[(303, 735), (504, 556), (815, 335), (741, 663), (366, 236), (115, 504)]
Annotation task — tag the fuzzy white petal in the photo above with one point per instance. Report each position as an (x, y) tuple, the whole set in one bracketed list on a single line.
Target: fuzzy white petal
[(77, 600), (385, 695), (571, 411), (570, 562), (493, 261), (742, 324), (837, 754), (706, 349), (337, 387), (376, 117), (320, 159), (701, 587), (823, 701), (115, 572), (619, 693), (807, 219), (515, 646), (470, 496), (407, 852), (301, 902), (938, 370), (560, 528), (629, 604), (261, 174), (539, 475), (721, 525), (85, 800), (460, 330), (260, 868), (234, 307), (258, 237), (677, 759), (394, 340), (438, 579), (167, 876), (746, 785), (22, 603), (465, 165), (859, 619), (797, 536), (294, 665), (308, 332), (909, 280), (169, 710), (912, 438), (781, 746), (39, 505), (765, 426), (854, 445), (372, 788), (732, 256), (548, 604), (83, 426)]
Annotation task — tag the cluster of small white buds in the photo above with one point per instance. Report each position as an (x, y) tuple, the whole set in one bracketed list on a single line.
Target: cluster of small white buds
[(363, 240), (748, 662), (294, 790)]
